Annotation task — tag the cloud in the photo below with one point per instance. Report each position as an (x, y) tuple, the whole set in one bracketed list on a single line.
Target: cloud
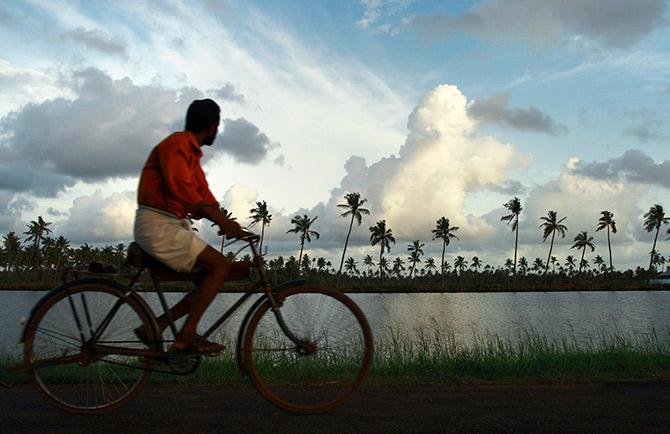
[(495, 109), (107, 130), (509, 187), (99, 41), (580, 199), (228, 93), (443, 158), (11, 207), (378, 14), (648, 131), (100, 219), (634, 166), (244, 141), (607, 23)]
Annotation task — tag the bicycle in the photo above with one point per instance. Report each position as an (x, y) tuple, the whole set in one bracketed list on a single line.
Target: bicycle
[(306, 349)]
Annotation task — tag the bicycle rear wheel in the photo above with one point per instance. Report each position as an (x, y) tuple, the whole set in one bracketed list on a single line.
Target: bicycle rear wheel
[(326, 371), (69, 367)]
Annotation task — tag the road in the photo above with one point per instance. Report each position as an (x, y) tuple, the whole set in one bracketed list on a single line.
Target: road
[(607, 407)]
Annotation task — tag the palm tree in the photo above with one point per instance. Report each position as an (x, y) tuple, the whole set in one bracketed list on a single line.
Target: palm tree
[(509, 264), (383, 265), (415, 251), (460, 263), (302, 226), (260, 214), (354, 209), (606, 220), (350, 266), (538, 265), (430, 265), (444, 232), (654, 219), (514, 206), (369, 262), (398, 266), (570, 263), (523, 265), (36, 232), (382, 235), (552, 225), (600, 262), (11, 247), (476, 263), (582, 241)]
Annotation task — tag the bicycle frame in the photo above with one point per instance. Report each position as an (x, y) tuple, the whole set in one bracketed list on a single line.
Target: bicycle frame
[(262, 282)]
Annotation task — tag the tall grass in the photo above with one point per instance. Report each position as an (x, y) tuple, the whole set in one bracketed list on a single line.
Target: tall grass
[(432, 355)]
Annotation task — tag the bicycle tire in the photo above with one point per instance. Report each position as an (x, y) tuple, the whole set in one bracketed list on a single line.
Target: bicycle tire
[(67, 374), (319, 381)]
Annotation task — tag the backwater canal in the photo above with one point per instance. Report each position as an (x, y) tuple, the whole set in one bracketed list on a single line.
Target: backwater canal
[(576, 316)]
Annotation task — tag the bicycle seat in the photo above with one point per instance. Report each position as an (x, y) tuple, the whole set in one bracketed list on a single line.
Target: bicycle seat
[(140, 259)]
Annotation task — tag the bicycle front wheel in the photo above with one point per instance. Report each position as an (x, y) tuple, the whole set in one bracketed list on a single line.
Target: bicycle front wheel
[(330, 364), (76, 370)]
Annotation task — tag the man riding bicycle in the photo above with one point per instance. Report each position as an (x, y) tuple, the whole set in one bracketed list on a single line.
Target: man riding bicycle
[(172, 190)]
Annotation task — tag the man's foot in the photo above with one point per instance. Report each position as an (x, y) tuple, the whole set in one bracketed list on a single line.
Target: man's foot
[(198, 344)]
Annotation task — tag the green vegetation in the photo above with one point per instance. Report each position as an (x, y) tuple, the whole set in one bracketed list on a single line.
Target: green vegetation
[(432, 355)]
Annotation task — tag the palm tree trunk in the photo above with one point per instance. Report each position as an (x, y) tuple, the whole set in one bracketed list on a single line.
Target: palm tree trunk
[(302, 245), (223, 241), (581, 261), (551, 247), (653, 249), (381, 269), (444, 246), (346, 243), (516, 245), (609, 247), (260, 247), (412, 270)]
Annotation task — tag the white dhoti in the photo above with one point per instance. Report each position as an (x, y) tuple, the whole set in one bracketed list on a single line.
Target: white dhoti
[(167, 238)]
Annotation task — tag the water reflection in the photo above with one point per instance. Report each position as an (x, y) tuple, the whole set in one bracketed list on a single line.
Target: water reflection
[(556, 315)]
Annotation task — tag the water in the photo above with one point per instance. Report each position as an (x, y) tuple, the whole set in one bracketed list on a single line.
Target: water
[(557, 315)]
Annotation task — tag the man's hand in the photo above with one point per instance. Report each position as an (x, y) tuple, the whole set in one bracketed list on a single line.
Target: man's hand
[(229, 227)]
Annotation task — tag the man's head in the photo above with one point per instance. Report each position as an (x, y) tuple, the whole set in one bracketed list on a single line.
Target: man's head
[(202, 117)]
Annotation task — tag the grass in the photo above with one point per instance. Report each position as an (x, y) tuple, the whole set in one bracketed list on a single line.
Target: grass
[(432, 355), (435, 356)]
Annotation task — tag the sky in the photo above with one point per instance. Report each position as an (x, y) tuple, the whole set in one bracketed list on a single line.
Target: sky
[(425, 108)]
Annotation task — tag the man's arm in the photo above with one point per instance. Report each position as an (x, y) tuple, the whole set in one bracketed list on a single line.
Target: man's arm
[(230, 227)]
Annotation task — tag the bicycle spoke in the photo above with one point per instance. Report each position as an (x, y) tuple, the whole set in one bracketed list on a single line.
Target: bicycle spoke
[(333, 362), (99, 375)]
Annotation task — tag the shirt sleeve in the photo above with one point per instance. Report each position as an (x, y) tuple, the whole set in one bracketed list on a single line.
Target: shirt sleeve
[(180, 177)]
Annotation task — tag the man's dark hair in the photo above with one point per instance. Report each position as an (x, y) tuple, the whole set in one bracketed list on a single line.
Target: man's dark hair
[(201, 114)]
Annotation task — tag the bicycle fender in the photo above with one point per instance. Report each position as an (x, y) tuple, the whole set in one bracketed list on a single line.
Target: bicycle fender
[(124, 290), (245, 322)]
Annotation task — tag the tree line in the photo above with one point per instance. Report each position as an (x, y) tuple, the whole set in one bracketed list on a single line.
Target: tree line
[(39, 253)]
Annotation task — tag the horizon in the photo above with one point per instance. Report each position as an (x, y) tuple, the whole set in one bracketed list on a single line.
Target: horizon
[(423, 110)]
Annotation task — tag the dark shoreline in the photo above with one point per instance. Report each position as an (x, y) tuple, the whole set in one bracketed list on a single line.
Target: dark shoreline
[(391, 290)]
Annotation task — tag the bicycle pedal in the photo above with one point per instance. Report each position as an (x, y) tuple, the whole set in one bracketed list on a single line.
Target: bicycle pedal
[(183, 362)]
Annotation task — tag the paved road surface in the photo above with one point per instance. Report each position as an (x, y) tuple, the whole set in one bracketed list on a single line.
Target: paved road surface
[(611, 407)]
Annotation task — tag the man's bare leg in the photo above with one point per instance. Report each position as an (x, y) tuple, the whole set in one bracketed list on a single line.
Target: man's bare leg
[(195, 303)]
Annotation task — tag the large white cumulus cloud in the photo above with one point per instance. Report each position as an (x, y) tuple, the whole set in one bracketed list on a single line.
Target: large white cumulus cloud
[(442, 159)]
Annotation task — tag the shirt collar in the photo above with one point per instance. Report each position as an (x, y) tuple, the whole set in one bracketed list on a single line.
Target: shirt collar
[(194, 143)]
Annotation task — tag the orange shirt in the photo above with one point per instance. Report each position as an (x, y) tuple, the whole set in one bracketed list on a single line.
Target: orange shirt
[(172, 179)]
